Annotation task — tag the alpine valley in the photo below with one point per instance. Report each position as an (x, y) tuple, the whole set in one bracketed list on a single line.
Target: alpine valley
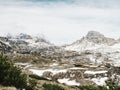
[(92, 60)]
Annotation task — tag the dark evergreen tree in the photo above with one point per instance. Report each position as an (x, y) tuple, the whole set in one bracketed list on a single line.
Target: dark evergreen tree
[(11, 75)]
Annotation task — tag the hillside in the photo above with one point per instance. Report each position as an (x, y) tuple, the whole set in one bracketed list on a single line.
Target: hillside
[(92, 60)]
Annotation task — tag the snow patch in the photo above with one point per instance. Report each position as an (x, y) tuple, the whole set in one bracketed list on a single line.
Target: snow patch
[(54, 71), (68, 82), (94, 72), (100, 81)]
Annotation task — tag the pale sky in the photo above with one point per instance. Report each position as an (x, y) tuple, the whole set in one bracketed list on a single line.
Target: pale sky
[(60, 21)]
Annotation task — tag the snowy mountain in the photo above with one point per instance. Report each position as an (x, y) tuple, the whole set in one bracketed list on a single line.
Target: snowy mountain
[(97, 48), (24, 43), (98, 38), (92, 41), (94, 58), (94, 48), (27, 44)]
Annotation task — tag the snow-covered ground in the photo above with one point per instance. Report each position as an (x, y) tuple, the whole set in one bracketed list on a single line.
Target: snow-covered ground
[(68, 82), (100, 81), (54, 71), (81, 46), (109, 48), (86, 45), (95, 72)]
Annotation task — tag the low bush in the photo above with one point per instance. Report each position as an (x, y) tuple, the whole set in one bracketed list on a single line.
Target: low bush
[(38, 77), (52, 87), (90, 87), (109, 86), (11, 75), (32, 85)]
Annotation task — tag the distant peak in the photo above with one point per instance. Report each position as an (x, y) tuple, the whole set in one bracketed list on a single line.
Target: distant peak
[(96, 37), (94, 34), (23, 36)]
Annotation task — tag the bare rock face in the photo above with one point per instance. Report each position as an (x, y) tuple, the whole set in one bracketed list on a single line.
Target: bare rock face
[(95, 37), (92, 41), (23, 36), (3, 46), (4, 39), (27, 44), (98, 38)]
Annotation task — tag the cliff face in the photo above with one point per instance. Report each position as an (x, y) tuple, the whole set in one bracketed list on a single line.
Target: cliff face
[(98, 38)]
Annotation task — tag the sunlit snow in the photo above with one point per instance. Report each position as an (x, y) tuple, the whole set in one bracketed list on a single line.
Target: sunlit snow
[(68, 82)]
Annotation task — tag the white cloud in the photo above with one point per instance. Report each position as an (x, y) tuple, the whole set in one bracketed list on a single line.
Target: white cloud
[(60, 24)]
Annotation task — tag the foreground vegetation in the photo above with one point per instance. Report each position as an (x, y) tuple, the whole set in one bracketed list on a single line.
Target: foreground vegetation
[(11, 75), (109, 86)]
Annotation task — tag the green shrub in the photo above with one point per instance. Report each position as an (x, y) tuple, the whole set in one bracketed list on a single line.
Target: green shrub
[(113, 86), (52, 87), (11, 75), (32, 84), (88, 88), (110, 87), (38, 77)]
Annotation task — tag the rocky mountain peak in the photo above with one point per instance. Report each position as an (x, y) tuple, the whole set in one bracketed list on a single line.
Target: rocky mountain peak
[(94, 35), (98, 38), (4, 39), (23, 36), (41, 39)]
